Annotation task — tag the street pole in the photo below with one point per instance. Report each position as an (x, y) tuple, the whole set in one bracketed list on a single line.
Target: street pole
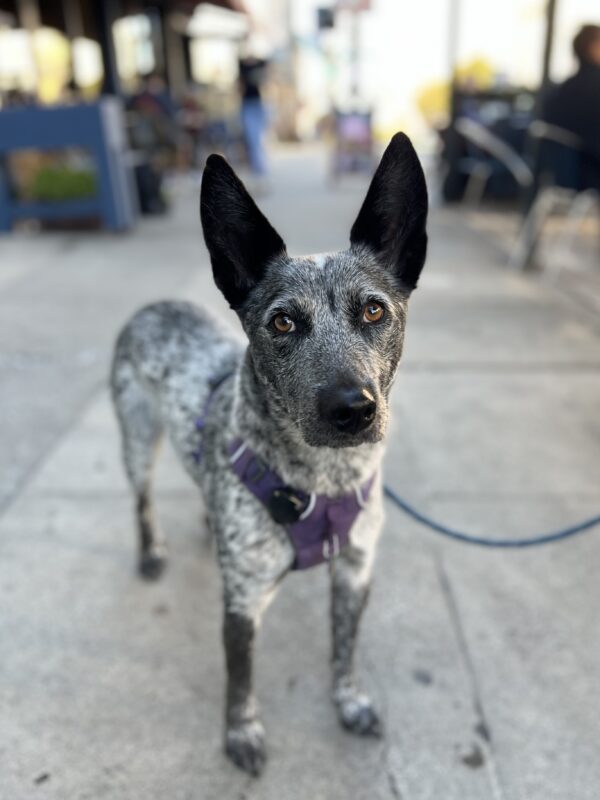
[(355, 56), (547, 58), (73, 19), (453, 29), (28, 12), (107, 11)]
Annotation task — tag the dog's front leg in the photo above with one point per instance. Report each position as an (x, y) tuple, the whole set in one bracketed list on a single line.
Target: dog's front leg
[(244, 731), (244, 734), (350, 584)]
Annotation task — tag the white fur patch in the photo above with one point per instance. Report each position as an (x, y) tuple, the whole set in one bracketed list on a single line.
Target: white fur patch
[(319, 259)]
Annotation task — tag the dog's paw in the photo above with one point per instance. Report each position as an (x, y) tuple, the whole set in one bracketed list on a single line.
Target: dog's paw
[(357, 715), (245, 746), (152, 564)]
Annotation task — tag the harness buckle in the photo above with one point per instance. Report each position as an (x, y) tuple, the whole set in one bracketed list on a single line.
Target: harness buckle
[(286, 506)]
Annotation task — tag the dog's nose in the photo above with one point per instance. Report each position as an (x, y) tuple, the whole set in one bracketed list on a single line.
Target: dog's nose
[(350, 410)]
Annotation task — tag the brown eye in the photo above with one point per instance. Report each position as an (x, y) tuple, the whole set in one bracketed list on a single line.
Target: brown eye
[(283, 323), (372, 312)]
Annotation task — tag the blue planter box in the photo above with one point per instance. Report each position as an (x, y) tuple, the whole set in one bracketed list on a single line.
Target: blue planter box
[(97, 128)]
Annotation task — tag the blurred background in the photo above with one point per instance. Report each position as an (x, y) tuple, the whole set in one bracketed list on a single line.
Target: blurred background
[(162, 84), (483, 662)]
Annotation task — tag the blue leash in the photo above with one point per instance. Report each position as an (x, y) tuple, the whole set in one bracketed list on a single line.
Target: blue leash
[(458, 536)]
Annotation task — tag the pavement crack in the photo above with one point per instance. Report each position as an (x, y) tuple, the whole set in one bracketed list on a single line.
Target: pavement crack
[(482, 725), (393, 784), (247, 792), (392, 779)]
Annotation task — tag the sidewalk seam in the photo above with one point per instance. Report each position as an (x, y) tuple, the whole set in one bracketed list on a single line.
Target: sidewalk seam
[(477, 699), (33, 470)]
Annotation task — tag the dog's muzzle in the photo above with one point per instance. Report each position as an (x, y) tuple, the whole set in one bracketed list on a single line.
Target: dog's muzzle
[(349, 410)]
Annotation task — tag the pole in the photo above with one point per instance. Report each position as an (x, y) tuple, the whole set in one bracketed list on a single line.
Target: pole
[(355, 55), (548, 45), (453, 29), (106, 13), (29, 15), (73, 19), (28, 12), (547, 57), (175, 46)]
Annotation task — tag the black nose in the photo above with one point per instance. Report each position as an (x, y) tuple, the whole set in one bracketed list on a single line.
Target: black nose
[(350, 410)]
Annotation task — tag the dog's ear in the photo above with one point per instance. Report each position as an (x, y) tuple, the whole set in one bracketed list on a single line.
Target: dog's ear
[(240, 239), (393, 216)]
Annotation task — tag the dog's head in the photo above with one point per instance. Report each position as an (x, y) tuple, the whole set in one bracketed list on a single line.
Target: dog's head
[(326, 332)]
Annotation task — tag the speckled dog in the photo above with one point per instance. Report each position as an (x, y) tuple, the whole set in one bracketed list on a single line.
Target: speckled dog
[(307, 399)]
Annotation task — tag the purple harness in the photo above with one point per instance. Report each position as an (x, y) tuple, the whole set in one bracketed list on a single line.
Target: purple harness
[(318, 526)]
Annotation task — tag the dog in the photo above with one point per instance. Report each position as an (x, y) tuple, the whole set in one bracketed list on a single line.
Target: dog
[(285, 436)]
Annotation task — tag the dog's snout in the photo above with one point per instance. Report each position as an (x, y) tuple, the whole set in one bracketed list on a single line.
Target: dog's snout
[(349, 410)]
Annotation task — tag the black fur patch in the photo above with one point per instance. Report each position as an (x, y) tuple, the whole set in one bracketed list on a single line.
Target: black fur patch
[(393, 216), (240, 239), (238, 637)]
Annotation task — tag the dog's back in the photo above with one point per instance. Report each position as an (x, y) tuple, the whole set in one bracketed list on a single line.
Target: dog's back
[(167, 344), (164, 361)]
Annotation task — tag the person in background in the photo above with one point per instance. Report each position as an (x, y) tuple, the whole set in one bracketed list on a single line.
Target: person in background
[(575, 104), (253, 115), (17, 98), (153, 134), (71, 93), (156, 112)]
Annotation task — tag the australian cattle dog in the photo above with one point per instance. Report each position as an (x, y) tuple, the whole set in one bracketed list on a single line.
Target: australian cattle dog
[(285, 435)]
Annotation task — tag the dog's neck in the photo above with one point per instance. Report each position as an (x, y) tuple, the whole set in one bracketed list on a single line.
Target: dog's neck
[(265, 426)]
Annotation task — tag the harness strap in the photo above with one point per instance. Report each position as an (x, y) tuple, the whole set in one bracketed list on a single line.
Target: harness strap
[(214, 385), (318, 526)]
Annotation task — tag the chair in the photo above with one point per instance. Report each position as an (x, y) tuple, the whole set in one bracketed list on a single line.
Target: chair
[(557, 186), (499, 157)]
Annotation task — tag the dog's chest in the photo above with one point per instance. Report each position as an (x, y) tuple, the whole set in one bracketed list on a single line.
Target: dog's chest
[(324, 471)]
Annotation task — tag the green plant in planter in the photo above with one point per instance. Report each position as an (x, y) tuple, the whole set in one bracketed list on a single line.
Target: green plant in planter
[(62, 183)]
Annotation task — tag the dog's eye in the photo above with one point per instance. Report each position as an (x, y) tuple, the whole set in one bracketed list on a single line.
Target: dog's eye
[(373, 312), (283, 323)]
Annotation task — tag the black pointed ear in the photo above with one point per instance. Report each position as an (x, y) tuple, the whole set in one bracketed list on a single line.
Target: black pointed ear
[(393, 216), (240, 239)]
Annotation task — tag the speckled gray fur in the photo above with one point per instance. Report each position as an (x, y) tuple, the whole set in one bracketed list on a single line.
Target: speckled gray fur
[(168, 354)]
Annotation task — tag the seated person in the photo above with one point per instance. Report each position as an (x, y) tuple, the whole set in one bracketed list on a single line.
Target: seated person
[(575, 104)]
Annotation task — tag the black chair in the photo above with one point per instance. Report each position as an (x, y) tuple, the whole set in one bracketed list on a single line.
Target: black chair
[(559, 185), (487, 155)]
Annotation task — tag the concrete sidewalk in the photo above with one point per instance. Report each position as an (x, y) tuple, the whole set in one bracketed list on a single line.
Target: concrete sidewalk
[(484, 663)]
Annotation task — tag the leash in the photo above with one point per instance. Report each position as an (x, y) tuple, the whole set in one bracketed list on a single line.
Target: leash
[(411, 511), (460, 536)]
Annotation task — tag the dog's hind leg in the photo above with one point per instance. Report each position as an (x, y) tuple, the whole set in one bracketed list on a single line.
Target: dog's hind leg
[(350, 584), (141, 432)]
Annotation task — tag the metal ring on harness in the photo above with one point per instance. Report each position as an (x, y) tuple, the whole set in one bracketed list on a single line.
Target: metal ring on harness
[(331, 546)]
